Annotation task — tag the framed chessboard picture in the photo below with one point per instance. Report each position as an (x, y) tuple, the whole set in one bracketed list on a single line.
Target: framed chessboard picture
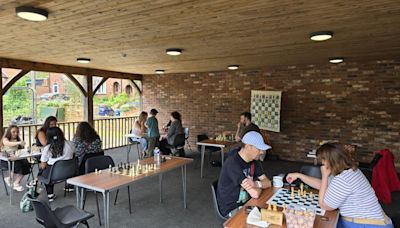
[(266, 109)]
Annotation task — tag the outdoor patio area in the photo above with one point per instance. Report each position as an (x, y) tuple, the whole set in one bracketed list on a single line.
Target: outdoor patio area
[(146, 209)]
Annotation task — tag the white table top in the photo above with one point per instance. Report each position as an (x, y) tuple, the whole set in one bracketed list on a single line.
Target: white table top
[(23, 156)]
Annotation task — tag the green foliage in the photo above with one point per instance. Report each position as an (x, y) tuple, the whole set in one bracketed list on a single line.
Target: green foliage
[(113, 101), (17, 101)]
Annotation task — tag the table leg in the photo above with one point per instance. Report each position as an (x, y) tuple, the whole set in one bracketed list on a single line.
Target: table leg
[(203, 149), (82, 198), (184, 185), (127, 152), (106, 208), (77, 196), (11, 172), (160, 179), (222, 156)]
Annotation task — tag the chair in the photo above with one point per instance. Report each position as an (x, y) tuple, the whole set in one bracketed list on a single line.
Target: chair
[(179, 145), (208, 149), (101, 162), (82, 162), (311, 170), (214, 186), (60, 172), (2, 169), (63, 217), (366, 168), (186, 131)]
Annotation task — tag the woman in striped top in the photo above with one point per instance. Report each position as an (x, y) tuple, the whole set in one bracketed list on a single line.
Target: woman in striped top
[(343, 186)]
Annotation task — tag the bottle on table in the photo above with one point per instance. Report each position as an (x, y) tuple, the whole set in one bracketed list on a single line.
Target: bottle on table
[(157, 156)]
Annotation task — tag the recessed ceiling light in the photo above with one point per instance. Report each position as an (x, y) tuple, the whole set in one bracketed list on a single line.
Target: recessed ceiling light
[(173, 51), (336, 60), (160, 71), (31, 13), (321, 35), (83, 60), (233, 67)]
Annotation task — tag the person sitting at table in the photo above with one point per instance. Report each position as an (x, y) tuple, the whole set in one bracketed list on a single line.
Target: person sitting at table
[(153, 133), (86, 140), (343, 186), (40, 136), (57, 149), (139, 129), (242, 175), (245, 125), (174, 129), (10, 143)]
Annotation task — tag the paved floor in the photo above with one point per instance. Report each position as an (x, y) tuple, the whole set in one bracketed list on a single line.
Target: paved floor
[(146, 209)]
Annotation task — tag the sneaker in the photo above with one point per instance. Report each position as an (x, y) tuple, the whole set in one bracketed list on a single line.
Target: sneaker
[(31, 183), (7, 180), (18, 188), (69, 189), (51, 197)]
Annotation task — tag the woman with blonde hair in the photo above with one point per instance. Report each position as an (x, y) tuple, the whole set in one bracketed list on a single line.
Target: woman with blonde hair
[(139, 130), (343, 186), (10, 143)]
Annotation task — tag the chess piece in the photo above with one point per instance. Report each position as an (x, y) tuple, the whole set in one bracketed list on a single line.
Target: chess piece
[(292, 193), (284, 206), (311, 195), (275, 209), (301, 188), (95, 171), (298, 193), (109, 168), (269, 207)]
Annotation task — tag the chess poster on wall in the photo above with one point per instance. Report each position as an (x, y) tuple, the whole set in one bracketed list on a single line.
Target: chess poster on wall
[(266, 109)]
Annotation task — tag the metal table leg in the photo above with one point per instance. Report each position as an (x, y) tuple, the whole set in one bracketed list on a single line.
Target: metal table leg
[(203, 149), (106, 208), (77, 196), (82, 198), (11, 173), (222, 155), (128, 151), (183, 168)]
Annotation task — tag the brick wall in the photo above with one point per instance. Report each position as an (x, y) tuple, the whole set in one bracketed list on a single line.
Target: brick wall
[(356, 103)]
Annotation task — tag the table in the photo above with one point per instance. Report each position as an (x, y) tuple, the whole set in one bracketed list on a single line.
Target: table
[(223, 145), (106, 182), (11, 161), (239, 219), (130, 145)]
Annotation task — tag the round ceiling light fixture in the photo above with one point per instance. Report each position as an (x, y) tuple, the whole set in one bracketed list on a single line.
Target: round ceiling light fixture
[(321, 35), (31, 13), (173, 51), (160, 71), (83, 60), (336, 60), (233, 67)]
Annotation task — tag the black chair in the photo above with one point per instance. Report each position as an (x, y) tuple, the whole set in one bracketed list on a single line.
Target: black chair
[(366, 168), (179, 145), (102, 162), (214, 186), (82, 162), (208, 149), (311, 170), (63, 217), (60, 172), (2, 169)]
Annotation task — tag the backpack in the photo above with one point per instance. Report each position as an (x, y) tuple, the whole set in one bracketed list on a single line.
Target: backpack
[(25, 205)]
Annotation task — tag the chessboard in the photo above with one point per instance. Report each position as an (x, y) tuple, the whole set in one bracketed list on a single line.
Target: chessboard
[(266, 109), (285, 197), (132, 169)]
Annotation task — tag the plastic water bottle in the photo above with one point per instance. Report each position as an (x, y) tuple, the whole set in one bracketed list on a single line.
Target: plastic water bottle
[(157, 156)]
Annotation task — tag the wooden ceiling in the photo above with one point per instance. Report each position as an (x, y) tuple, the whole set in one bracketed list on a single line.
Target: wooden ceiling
[(131, 36)]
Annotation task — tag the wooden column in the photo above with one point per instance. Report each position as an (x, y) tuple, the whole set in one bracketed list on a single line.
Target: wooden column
[(1, 103), (89, 103)]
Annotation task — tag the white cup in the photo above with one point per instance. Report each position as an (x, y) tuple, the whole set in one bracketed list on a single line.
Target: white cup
[(277, 181)]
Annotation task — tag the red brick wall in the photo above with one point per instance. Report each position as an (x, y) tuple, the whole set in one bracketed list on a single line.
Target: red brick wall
[(356, 103)]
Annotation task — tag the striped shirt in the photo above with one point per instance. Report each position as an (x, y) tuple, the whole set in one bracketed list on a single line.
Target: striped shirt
[(351, 192)]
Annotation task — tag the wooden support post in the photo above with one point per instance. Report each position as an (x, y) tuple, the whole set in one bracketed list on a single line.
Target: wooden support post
[(89, 98), (1, 103)]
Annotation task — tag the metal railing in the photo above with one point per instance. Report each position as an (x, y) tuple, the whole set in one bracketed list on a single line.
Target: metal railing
[(112, 131)]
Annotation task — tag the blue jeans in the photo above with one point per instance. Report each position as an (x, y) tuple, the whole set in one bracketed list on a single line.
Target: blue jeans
[(346, 224)]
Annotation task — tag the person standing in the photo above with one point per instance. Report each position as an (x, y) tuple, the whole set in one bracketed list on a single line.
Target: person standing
[(153, 132)]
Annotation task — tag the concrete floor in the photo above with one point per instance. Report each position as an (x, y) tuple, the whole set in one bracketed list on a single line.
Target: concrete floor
[(146, 209)]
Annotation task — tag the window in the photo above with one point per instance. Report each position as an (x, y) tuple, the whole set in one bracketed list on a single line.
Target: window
[(102, 89), (115, 87), (128, 90), (55, 87)]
